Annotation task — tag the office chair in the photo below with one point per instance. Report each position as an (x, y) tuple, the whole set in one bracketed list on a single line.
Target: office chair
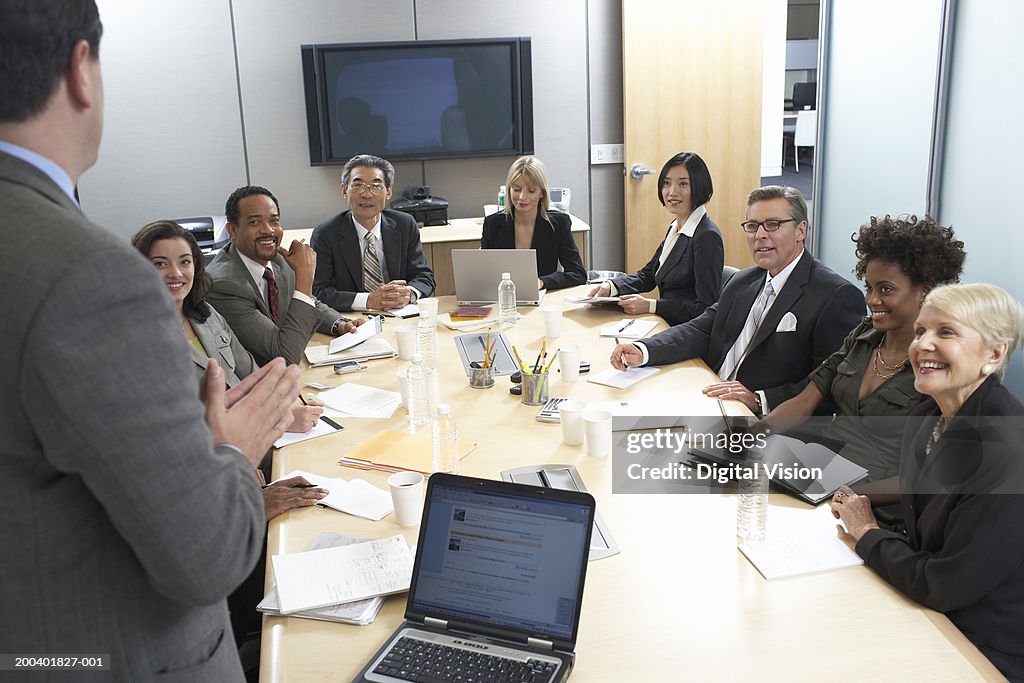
[(727, 273), (805, 134), (804, 95)]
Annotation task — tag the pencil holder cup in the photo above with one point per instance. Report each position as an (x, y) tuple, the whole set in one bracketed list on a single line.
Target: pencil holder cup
[(481, 378), (535, 389)]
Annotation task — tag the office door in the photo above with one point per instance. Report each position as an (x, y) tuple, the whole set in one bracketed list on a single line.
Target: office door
[(691, 73)]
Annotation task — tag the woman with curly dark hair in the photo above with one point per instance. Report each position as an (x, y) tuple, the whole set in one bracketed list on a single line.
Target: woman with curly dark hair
[(869, 379)]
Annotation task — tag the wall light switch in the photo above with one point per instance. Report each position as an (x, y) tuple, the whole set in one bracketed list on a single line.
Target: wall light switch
[(606, 154)]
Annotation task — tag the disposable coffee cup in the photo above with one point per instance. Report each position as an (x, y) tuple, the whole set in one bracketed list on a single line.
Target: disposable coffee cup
[(570, 413), (552, 321), (402, 376), (407, 497), (597, 426), (405, 335), (569, 362), (490, 208)]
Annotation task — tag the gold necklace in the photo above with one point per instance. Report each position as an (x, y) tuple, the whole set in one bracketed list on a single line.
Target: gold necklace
[(892, 369)]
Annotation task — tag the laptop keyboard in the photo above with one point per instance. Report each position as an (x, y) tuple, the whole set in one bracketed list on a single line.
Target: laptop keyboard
[(424, 662)]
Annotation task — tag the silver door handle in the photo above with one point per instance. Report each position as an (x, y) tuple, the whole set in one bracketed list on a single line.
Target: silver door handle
[(637, 171)]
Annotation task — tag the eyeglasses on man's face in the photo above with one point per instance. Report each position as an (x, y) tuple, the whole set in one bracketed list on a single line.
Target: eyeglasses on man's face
[(359, 187), (770, 225)]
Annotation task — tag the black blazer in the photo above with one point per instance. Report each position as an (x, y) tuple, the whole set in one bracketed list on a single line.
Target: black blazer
[(691, 278), (553, 243), (339, 261), (963, 553), (826, 308)]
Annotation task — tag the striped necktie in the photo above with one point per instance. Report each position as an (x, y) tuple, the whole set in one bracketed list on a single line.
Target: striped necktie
[(372, 278), (739, 349)]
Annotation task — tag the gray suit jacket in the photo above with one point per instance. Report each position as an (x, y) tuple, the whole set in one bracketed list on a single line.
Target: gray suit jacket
[(237, 297), (221, 343), (123, 527), (339, 262)]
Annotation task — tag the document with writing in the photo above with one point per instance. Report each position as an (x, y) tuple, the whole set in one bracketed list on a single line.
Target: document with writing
[(358, 400), (317, 578), (356, 497), (784, 557), (360, 612)]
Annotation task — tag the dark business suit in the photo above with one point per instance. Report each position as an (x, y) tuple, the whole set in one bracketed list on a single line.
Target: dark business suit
[(123, 526), (552, 241), (691, 278), (963, 553), (237, 297), (339, 260), (826, 308)]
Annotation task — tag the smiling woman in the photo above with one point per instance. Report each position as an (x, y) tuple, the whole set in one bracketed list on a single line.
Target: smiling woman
[(869, 379)]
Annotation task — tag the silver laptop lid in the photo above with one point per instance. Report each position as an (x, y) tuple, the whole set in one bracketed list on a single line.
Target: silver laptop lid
[(478, 272)]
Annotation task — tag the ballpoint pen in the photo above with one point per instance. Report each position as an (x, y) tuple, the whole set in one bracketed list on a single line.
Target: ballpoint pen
[(621, 329)]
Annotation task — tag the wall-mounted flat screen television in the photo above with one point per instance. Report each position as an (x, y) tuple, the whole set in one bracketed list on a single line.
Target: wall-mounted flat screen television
[(439, 99)]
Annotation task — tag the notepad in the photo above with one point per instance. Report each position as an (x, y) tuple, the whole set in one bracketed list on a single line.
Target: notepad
[(392, 451), (355, 497), (321, 428), (622, 379), (592, 299), (629, 328), (784, 557), (331, 576), (360, 612), (373, 348), (362, 333)]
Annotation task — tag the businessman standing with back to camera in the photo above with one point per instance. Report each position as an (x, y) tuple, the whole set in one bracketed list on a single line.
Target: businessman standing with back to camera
[(125, 516)]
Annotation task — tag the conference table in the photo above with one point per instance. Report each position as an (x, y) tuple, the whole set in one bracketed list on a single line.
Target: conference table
[(679, 601)]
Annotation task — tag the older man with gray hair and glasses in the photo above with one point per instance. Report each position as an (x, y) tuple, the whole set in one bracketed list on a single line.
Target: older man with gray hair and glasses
[(369, 257)]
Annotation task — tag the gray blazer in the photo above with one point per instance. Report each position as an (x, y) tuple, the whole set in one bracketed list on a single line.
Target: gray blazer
[(237, 297), (220, 343), (122, 526)]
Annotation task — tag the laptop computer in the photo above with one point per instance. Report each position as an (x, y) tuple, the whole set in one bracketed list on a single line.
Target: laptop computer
[(478, 272), (497, 585)]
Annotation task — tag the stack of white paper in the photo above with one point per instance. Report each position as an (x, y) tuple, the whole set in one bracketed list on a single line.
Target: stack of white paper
[(317, 578), (321, 428), (373, 348), (783, 557), (360, 612), (361, 334), (358, 400), (356, 497), (622, 379), (629, 328)]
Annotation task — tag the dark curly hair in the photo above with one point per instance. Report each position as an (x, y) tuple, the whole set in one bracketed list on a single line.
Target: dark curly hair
[(926, 251), (194, 306)]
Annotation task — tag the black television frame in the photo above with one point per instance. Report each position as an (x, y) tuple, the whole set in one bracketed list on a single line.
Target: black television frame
[(318, 118)]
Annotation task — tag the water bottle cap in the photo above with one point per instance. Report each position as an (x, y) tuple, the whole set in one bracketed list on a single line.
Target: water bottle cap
[(417, 358), (502, 188), (443, 409), (505, 276)]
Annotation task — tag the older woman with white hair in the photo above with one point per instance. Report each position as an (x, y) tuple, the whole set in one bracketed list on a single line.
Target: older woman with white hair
[(960, 478)]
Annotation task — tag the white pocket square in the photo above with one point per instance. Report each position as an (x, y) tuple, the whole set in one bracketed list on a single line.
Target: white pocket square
[(788, 323)]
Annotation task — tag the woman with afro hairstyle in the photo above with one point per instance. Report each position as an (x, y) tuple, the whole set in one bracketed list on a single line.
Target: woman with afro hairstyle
[(869, 379)]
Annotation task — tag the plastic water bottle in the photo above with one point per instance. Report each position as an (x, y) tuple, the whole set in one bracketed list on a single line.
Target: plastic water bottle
[(501, 198), (446, 441), (426, 341), (419, 393), (752, 509), (507, 301)]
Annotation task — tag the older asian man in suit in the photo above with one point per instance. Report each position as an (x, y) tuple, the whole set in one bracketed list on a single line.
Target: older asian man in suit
[(774, 323), (263, 290), (369, 257), (123, 525)]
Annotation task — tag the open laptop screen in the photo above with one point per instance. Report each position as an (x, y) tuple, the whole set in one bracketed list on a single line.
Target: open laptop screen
[(503, 560)]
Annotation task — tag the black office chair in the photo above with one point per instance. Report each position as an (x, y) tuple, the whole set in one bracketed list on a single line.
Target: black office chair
[(727, 273), (805, 95)]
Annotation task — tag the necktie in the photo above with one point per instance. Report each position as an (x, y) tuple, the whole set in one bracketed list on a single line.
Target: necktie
[(272, 295), (739, 349), (372, 278)]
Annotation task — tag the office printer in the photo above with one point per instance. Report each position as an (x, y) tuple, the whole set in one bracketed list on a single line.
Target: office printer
[(417, 201), (211, 232)]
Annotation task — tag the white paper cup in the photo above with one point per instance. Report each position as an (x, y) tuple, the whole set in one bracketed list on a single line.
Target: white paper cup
[(405, 335), (597, 426), (403, 385), (428, 308), (571, 415), (489, 209), (552, 321), (407, 497), (569, 362)]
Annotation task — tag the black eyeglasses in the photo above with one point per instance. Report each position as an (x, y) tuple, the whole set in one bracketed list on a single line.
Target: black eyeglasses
[(770, 225)]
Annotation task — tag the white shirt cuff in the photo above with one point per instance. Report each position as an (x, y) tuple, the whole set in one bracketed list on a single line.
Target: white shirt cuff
[(304, 297), (654, 306), (612, 289), (643, 350), (359, 303), (765, 408)]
